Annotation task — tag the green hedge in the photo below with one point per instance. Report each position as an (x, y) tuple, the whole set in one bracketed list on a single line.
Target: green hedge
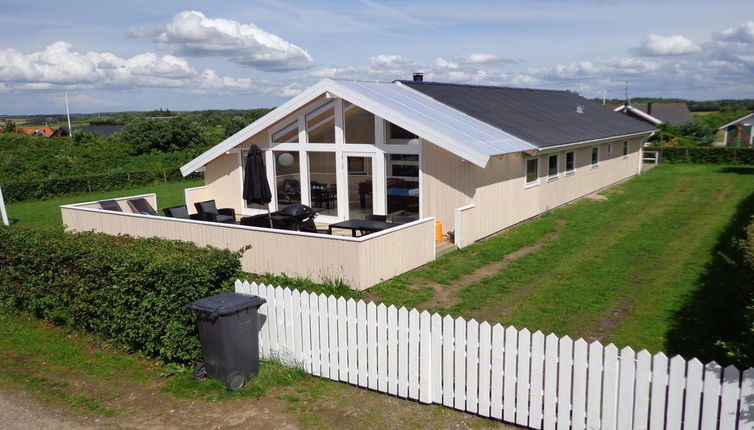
[(132, 292), (37, 189), (706, 155)]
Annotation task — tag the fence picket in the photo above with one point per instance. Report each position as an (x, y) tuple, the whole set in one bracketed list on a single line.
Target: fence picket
[(485, 367), (472, 366), (610, 388), (282, 342), (565, 370), (342, 324), (288, 324), (392, 350), (372, 342), (522, 377), (353, 342), (746, 411), (594, 390), (676, 385), (332, 327), (296, 323), (324, 338), (315, 334), (272, 322), (264, 322), (426, 364), (447, 361), (626, 383), (551, 381), (414, 343), (694, 382), (659, 385), (729, 398), (403, 352), (437, 359), (496, 396), (643, 379), (509, 374), (459, 361), (382, 347), (363, 346), (537, 379), (306, 333), (580, 348)]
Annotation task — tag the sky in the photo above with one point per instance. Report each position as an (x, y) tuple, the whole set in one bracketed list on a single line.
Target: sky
[(193, 55)]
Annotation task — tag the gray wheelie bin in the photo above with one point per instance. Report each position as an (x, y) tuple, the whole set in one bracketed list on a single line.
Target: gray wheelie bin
[(229, 333)]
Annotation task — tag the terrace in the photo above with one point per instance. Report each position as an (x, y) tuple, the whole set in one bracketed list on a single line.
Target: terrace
[(360, 262)]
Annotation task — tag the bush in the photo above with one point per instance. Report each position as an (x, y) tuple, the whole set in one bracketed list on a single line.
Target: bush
[(706, 155), (131, 291), (163, 135)]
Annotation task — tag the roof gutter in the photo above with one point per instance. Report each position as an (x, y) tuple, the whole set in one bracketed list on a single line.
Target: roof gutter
[(547, 149)]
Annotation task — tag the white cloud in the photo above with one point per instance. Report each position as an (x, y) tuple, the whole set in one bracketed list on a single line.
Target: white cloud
[(191, 33), (392, 63), (482, 58), (59, 66), (445, 64), (743, 34), (654, 45)]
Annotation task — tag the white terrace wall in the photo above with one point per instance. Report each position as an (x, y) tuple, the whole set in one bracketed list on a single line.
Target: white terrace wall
[(359, 262), (498, 192), (535, 381)]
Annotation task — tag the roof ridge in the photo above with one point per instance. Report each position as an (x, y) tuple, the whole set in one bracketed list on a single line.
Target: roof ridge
[(453, 84)]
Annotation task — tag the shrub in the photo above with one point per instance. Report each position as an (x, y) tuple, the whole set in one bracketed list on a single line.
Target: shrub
[(130, 291), (706, 155), (163, 135)]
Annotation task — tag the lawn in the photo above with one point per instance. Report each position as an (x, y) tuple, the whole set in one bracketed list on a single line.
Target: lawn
[(632, 269), (46, 213)]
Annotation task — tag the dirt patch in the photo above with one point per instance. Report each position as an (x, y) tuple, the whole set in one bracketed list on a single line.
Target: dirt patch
[(447, 295)]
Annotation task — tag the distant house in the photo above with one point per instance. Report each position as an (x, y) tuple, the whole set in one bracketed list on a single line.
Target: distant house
[(738, 133), (102, 130), (36, 131), (656, 113)]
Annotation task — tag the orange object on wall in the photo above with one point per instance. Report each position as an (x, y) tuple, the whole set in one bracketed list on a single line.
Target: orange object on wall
[(438, 231)]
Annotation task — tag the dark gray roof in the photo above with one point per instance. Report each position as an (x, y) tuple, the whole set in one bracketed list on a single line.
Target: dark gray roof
[(541, 117), (102, 130), (674, 113)]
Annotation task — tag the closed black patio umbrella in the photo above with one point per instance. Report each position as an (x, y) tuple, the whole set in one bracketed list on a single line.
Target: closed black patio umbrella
[(256, 189)]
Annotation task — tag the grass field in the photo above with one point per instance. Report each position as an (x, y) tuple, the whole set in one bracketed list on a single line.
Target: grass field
[(632, 269), (46, 213)]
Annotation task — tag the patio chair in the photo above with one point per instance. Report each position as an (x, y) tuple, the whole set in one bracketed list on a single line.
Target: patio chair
[(110, 205), (141, 206), (182, 212), (213, 214)]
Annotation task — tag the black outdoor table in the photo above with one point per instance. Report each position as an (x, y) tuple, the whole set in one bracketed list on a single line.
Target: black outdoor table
[(362, 224)]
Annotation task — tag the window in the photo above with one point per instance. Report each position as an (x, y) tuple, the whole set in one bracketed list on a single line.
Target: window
[(399, 136), (552, 167), (570, 163), (403, 165), (609, 149), (625, 149), (532, 172), (287, 134), (595, 156), (358, 123), (320, 125)]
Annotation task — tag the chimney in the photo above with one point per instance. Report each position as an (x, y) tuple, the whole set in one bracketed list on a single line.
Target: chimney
[(649, 108), (418, 77)]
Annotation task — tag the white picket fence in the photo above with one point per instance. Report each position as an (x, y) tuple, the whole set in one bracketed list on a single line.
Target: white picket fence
[(529, 379)]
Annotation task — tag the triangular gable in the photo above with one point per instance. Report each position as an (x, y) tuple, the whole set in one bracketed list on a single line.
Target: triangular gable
[(470, 139)]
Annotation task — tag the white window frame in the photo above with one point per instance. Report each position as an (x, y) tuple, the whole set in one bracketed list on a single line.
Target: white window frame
[(557, 167), (535, 182), (591, 157), (626, 149), (610, 149), (565, 164)]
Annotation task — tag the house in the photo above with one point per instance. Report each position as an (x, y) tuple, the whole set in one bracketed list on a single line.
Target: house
[(36, 131), (423, 149), (738, 133), (656, 113), (478, 159)]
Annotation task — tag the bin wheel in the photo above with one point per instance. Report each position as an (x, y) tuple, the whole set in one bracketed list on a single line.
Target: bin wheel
[(235, 381), (200, 371)]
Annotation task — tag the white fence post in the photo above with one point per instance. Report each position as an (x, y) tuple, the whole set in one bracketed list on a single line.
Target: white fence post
[(2, 208), (515, 376)]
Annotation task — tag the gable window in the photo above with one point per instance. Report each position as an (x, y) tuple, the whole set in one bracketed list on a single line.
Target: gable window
[(595, 156), (625, 149), (570, 163), (358, 123), (287, 134), (552, 167), (320, 125), (609, 149), (532, 172), (399, 136)]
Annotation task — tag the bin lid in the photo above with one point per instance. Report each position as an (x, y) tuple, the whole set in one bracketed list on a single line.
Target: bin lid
[(226, 303)]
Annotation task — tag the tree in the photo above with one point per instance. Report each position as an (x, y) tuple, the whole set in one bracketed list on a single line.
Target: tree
[(10, 126), (163, 135), (699, 133)]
